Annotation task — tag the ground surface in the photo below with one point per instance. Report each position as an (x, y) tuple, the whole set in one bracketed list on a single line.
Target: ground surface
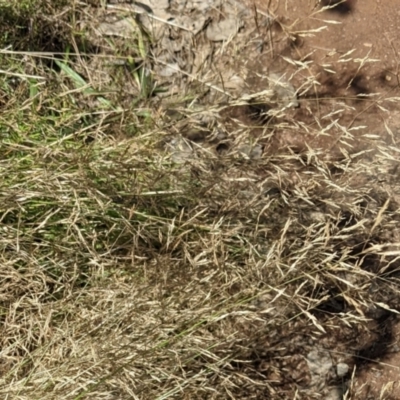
[(200, 200), (366, 29), (364, 32)]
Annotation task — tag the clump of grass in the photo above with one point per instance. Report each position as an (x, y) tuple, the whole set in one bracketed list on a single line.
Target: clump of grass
[(36, 25)]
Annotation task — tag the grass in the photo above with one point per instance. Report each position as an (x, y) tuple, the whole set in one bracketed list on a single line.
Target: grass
[(127, 275)]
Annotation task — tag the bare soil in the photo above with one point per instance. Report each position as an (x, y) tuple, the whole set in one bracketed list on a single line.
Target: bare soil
[(379, 378), (360, 30), (354, 31)]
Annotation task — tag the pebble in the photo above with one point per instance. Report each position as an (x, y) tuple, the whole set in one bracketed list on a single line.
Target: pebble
[(342, 369)]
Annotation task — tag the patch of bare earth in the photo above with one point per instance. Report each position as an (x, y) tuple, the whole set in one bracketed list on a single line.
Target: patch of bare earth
[(352, 50), (377, 376)]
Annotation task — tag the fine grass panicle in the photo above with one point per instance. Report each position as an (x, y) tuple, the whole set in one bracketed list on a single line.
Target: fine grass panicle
[(166, 232)]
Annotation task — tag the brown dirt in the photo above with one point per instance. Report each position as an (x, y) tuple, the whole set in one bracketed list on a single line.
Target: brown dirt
[(353, 88), (379, 378), (369, 30)]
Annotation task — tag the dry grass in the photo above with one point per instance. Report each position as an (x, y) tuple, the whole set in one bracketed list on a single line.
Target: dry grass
[(126, 275)]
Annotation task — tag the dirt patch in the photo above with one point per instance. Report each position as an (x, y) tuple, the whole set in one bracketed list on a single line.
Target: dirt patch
[(353, 54), (355, 62), (344, 84), (378, 377)]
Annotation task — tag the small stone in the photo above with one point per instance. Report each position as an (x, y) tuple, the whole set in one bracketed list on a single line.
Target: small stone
[(180, 150), (218, 31), (342, 369), (169, 70), (125, 28), (334, 394), (319, 363), (284, 90), (251, 152)]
